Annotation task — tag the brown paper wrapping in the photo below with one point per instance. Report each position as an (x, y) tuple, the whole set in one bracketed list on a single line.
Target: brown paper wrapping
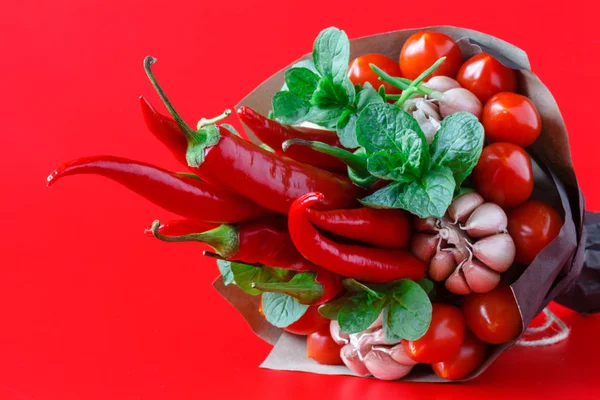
[(555, 269)]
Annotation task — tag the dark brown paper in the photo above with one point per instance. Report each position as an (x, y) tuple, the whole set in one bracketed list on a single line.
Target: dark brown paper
[(555, 269)]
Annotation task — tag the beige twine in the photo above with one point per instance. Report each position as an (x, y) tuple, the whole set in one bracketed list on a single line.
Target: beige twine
[(556, 337)]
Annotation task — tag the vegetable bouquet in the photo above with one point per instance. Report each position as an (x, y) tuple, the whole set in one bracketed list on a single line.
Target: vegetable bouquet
[(404, 207)]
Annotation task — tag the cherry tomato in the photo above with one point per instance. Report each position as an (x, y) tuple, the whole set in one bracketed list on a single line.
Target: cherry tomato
[(423, 49), (494, 316), (504, 175), (443, 338), (471, 354), (533, 225), (510, 117), (483, 75), (322, 348), (310, 322), (360, 72)]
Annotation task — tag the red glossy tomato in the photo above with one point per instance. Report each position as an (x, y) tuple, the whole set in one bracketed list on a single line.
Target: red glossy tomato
[(423, 49), (504, 175), (494, 316), (322, 348), (360, 72), (483, 75), (470, 355), (310, 322), (510, 117), (443, 338), (533, 225)]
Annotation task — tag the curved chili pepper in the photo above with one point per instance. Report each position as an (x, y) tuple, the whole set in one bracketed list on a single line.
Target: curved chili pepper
[(265, 241), (379, 227), (165, 129), (178, 227), (273, 134), (179, 193), (245, 168), (363, 263)]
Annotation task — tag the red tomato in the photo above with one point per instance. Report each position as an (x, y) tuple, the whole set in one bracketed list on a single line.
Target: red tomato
[(471, 354), (483, 75), (422, 49), (443, 338), (510, 117), (310, 322), (504, 175), (533, 225), (494, 316), (322, 348), (360, 72)]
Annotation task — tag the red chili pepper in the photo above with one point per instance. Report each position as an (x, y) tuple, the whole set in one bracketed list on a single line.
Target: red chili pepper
[(265, 241), (179, 193), (363, 263), (273, 134), (165, 129), (178, 227), (245, 168), (379, 227)]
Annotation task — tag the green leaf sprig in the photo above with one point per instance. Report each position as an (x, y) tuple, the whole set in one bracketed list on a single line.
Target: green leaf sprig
[(405, 305), (319, 90)]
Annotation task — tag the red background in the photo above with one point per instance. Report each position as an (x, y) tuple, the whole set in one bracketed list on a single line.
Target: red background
[(91, 308)]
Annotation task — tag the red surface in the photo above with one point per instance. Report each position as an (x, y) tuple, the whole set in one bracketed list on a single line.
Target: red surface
[(93, 308)]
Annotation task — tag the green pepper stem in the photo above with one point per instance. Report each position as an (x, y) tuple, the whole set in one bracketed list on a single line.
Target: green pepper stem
[(353, 161), (205, 121), (224, 238), (185, 128)]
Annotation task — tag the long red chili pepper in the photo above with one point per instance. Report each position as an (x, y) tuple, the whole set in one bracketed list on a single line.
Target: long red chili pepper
[(265, 241), (379, 227), (165, 129), (273, 134), (178, 227), (179, 193), (363, 263), (264, 177)]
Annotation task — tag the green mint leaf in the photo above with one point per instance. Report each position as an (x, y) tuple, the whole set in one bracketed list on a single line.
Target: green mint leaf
[(302, 287), (355, 286), (367, 95), (289, 108), (410, 309), (331, 309), (245, 275), (281, 310), (308, 64), (302, 82), (458, 144), (388, 334), (325, 116), (359, 312), (346, 130), (331, 54), (431, 196), (225, 270), (330, 94), (386, 197), (425, 284), (462, 190), (394, 141)]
